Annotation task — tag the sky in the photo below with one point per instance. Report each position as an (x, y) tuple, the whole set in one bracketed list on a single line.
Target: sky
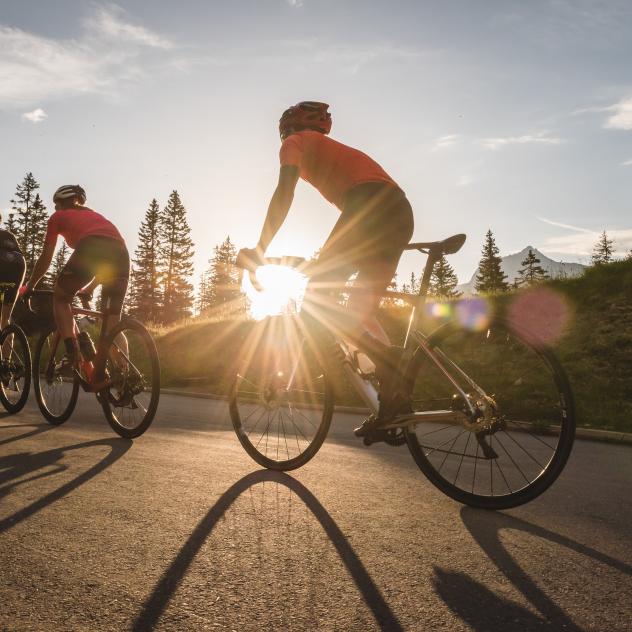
[(507, 115)]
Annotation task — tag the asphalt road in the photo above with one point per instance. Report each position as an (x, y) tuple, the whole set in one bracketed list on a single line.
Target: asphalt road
[(180, 530)]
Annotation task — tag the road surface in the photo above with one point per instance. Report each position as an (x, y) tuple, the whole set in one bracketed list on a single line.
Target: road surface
[(180, 530)]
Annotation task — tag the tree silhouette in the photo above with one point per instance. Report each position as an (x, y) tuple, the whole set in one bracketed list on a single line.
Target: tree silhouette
[(443, 281), (220, 284), (490, 278), (29, 219), (176, 253), (532, 272), (145, 296), (603, 250)]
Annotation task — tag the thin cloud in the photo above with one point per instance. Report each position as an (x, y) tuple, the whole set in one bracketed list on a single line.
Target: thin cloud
[(539, 139), (107, 53), (109, 22), (561, 225), (622, 117), (627, 163), (443, 142), (465, 180), (295, 3), (582, 244), (35, 116), (581, 241)]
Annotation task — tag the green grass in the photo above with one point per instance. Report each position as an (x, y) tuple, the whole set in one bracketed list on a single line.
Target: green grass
[(595, 346)]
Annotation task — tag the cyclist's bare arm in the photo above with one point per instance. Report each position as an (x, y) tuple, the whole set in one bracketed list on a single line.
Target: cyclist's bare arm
[(41, 265), (279, 206)]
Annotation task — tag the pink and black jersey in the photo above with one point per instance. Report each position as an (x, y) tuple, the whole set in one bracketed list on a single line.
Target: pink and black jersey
[(77, 223)]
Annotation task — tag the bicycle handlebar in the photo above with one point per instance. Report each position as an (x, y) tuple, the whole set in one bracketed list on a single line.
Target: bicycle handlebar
[(300, 264)]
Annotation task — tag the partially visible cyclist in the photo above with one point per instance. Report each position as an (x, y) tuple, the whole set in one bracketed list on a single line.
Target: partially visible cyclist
[(12, 270), (100, 256), (375, 224)]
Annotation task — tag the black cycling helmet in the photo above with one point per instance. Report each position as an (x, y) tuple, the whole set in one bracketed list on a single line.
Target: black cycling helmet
[(69, 191)]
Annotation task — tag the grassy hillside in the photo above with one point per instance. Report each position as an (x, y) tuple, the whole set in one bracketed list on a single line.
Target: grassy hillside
[(589, 319)]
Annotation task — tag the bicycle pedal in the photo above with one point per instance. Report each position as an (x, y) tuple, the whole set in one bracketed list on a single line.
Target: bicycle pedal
[(376, 435)]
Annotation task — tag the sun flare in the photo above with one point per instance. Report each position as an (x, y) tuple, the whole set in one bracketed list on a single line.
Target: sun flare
[(282, 290)]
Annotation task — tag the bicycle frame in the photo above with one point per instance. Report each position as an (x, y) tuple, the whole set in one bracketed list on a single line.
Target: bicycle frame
[(414, 340)]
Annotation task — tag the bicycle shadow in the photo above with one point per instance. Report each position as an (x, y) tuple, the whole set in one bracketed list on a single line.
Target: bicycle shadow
[(39, 429), (15, 467), (485, 527), (158, 601)]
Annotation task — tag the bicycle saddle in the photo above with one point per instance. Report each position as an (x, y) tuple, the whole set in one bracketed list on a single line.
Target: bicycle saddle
[(445, 247)]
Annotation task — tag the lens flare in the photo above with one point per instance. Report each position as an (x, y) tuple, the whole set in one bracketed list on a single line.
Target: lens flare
[(541, 314), (440, 310), (474, 313), (282, 291)]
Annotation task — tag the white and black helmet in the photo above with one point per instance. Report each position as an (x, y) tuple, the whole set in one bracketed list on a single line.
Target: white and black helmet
[(69, 191)]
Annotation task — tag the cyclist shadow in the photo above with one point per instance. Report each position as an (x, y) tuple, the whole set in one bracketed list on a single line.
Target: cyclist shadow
[(486, 527), (17, 469), (158, 601), (39, 428)]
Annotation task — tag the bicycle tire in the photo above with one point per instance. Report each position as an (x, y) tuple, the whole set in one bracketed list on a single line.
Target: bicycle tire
[(301, 403), (559, 387), (23, 359), (113, 400), (58, 415)]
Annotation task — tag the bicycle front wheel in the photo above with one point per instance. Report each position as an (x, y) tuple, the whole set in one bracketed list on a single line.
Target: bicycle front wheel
[(520, 439), (56, 395), (130, 401), (15, 369), (281, 401)]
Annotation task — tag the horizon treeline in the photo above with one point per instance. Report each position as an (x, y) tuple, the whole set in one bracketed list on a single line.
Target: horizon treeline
[(161, 289)]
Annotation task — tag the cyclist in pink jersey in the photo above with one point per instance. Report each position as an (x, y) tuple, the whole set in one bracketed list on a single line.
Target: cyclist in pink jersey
[(100, 257), (375, 224)]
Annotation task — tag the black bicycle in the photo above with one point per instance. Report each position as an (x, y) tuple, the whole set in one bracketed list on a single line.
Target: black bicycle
[(492, 421), (15, 363), (123, 370)]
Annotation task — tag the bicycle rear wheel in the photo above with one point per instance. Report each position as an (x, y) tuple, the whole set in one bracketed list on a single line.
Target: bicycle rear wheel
[(523, 436), (281, 401), (56, 395), (15, 378), (133, 368)]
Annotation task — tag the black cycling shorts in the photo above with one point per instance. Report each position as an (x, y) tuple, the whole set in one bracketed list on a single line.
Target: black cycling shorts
[(105, 259), (12, 269), (368, 238)]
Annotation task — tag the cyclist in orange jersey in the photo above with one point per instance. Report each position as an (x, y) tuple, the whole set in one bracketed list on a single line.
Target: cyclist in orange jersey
[(375, 224)]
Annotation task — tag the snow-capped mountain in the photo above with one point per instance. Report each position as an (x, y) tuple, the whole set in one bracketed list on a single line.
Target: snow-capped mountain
[(511, 264)]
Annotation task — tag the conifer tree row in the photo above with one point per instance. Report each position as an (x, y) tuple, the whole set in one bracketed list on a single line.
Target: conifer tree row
[(532, 272), (28, 220), (490, 278), (160, 290)]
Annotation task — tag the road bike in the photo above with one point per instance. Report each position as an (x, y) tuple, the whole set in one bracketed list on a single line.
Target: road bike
[(491, 421), (15, 363), (123, 370)]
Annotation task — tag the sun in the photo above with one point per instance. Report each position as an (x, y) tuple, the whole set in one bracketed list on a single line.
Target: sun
[(282, 290)]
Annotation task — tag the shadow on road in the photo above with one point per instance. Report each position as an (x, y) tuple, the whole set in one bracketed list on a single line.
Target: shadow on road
[(173, 576), (39, 428), (15, 467), (485, 528)]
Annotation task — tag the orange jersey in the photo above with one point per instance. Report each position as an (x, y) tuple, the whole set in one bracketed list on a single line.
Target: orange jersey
[(331, 167)]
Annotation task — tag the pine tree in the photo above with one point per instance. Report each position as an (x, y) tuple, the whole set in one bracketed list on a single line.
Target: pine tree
[(490, 278), (222, 278), (443, 281), (29, 220), (532, 272), (603, 250), (176, 254), (59, 261), (204, 297), (145, 296)]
